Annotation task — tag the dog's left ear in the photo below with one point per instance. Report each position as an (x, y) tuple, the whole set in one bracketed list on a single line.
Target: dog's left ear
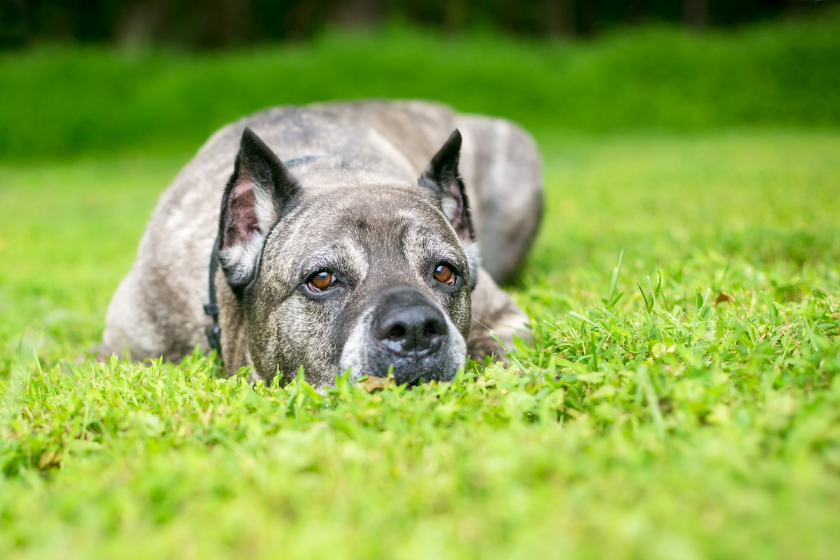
[(442, 178)]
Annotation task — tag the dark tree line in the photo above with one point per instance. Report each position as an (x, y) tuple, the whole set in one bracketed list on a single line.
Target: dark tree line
[(220, 23)]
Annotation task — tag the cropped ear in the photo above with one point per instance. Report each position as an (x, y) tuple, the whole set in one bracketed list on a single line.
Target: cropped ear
[(255, 195), (442, 178)]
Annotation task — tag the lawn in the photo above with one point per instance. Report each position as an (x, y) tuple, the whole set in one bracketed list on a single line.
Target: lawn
[(681, 397)]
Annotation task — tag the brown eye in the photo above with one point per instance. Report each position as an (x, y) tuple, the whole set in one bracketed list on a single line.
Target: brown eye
[(321, 281), (445, 274)]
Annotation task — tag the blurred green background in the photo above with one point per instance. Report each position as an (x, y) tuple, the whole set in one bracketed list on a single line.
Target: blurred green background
[(89, 77)]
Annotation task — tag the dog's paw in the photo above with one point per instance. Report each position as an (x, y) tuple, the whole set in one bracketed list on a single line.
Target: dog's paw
[(483, 347)]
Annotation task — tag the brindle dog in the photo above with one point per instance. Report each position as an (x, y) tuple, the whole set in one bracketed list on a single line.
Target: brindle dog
[(358, 250)]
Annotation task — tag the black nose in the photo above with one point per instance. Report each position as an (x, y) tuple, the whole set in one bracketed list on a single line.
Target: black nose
[(412, 330)]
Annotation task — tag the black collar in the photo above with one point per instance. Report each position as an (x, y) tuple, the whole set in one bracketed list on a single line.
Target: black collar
[(214, 331)]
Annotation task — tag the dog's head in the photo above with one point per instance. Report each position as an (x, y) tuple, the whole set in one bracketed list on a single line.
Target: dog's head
[(370, 279)]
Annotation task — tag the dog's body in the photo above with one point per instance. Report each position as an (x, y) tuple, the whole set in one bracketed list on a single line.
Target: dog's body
[(345, 212)]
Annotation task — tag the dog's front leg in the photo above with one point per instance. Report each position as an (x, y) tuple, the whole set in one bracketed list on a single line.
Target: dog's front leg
[(493, 312)]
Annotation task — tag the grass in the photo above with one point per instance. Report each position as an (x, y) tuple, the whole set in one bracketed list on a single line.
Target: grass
[(680, 398), (649, 422)]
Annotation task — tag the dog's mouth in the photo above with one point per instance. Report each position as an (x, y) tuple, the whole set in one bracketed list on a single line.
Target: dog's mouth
[(412, 372), (407, 335)]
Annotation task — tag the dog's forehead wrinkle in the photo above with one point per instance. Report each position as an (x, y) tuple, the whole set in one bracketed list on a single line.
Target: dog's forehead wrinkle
[(428, 243), (386, 211), (345, 255)]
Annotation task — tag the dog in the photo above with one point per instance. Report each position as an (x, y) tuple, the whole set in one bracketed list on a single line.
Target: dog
[(362, 236)]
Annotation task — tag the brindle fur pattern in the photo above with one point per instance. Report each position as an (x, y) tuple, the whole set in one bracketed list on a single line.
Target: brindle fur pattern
[(358, 209)]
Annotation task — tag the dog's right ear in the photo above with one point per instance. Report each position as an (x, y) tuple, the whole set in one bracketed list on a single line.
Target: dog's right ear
[(255, 195), (442, 178)]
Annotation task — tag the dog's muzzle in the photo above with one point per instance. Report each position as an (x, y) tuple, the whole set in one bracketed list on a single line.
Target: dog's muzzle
[(411, 335)]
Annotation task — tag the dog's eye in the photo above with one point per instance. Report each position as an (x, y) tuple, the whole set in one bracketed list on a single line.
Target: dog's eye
[(445, 274), (321, 281)]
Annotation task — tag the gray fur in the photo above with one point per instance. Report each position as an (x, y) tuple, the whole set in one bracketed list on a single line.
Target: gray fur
[(359, 209)]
